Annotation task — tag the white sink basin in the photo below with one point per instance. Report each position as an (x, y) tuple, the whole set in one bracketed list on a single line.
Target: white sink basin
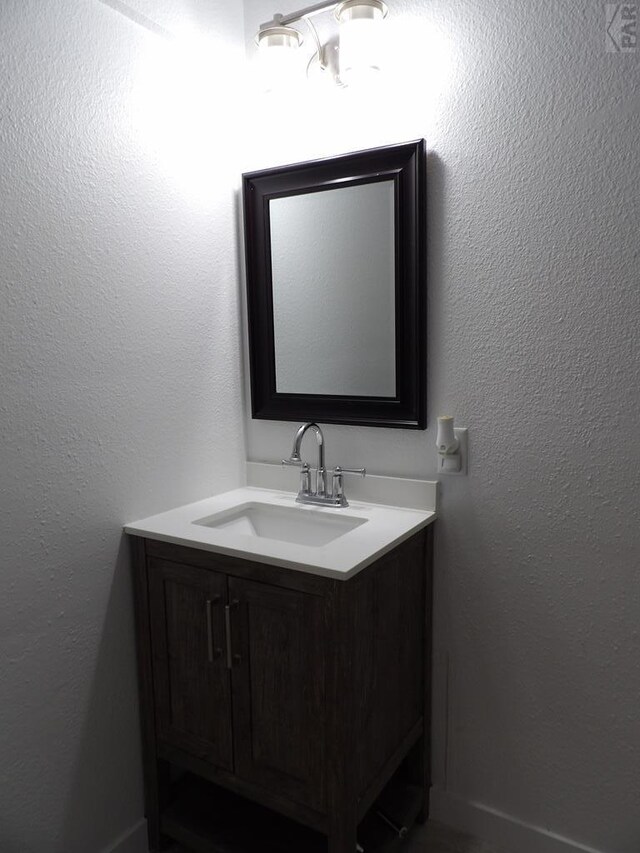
[(309, 527), (268, 526)]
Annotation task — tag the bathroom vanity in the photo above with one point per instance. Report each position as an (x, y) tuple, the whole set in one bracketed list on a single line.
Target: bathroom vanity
[(285, 686)]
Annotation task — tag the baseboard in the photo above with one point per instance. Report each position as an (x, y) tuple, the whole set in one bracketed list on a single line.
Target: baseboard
[(505, 832), (134, 840), (487, 824)]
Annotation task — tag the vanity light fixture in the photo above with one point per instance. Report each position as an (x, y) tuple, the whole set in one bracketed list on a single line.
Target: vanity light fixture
[(356, 55)]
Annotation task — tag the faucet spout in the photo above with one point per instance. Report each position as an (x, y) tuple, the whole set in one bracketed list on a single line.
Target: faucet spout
[(297, 443)]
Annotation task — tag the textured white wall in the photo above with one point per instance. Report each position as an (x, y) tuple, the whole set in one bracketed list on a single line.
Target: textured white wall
[(119, 381), (119, 388), (534, 306)]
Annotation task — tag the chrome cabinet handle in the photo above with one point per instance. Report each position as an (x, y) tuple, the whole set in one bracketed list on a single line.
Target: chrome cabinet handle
[(227, 624), (210, 651)]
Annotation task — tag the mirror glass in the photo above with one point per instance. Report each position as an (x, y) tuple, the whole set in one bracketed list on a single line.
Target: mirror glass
[(333, 286)]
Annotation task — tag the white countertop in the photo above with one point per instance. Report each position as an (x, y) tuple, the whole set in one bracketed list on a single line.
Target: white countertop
[(346, 555)]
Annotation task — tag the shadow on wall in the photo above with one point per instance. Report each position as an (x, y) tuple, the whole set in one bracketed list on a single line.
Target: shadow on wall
[(434, 267), (435, 239), (464, 601), (105, 797)]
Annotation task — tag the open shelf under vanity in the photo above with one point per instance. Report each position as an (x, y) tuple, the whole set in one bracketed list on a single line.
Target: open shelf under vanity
[(209, 819)]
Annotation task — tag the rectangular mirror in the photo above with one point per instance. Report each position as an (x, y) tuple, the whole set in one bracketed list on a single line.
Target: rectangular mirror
[(336, 290)]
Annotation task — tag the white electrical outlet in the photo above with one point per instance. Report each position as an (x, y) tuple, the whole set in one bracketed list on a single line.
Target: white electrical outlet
[(456, 463)]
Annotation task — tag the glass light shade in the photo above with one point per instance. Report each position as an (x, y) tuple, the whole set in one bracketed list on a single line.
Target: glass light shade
[(278, 56), (360, 38)]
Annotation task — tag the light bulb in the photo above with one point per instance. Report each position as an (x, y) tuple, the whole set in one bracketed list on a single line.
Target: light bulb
[(278, 56), (360, 39)]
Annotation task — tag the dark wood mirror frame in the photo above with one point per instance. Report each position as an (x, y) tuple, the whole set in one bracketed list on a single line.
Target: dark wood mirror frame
[(405, 165)]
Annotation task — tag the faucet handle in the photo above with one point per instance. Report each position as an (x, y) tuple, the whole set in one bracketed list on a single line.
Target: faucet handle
[(360, 472), (337, 488), (305, 479)]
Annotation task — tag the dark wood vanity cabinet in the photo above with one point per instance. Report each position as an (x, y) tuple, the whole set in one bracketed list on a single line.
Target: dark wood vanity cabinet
[(191, 686), (279, 706)]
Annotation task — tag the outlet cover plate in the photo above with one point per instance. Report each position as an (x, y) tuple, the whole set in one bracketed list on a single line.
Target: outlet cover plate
[(461, 433)]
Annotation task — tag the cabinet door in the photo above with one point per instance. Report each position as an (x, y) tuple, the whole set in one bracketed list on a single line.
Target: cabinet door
[(278, 689), (191, 680)]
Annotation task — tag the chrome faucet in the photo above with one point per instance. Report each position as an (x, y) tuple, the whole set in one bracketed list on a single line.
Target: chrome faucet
[(296, 459), (319, 496)]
